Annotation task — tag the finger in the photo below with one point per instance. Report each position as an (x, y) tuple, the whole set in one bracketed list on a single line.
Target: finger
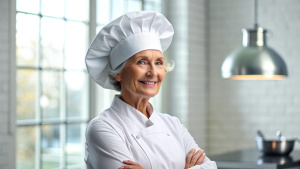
[(130, 162), (196, 157), (129, 167), (189, 157), (201, 159)]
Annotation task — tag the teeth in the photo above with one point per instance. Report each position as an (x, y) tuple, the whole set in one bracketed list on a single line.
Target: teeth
[(149, 82)]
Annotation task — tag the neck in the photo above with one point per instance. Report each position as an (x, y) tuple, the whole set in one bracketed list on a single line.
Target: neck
[(140, 104)]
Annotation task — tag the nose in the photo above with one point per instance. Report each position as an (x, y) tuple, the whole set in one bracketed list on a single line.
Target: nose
[(152, 70)]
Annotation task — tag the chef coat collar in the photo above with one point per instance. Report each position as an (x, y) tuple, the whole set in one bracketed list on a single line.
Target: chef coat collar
[(127, 110)]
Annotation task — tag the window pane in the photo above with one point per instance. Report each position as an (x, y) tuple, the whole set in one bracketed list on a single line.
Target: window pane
[(53, 8), (26, 147), (27, 39), (103, 11), (32, 6), (133, 5), (51, 146), (77, 94), (118, 8), (76, 45), (52, 35), (26, 94), (152, 5), (50, 99), (74, 147), (77, 9)]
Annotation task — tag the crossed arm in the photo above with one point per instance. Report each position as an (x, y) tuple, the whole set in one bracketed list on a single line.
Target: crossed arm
[(192, 159), (106, 149), (195, 158)]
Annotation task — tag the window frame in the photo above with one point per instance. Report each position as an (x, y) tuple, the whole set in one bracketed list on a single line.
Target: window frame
[(38, 122), (95, 93)]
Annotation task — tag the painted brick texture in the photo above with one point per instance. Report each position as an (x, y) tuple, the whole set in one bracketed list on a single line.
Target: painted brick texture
[(238, 108), (175, 97), (197, 74), (7, 138), (185, 93)]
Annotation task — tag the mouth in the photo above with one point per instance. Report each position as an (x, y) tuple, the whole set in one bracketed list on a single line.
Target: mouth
[(148, 83)]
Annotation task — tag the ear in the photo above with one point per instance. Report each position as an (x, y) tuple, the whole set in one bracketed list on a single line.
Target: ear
[(118, 77)]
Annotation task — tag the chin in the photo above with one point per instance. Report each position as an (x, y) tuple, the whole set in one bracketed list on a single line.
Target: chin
[(149, 94)]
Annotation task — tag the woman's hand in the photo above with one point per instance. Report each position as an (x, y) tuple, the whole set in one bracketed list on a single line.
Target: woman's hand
[(131, 165), (193, 158)]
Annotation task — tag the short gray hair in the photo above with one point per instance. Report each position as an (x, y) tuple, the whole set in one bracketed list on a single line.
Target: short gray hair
[(169, 66)]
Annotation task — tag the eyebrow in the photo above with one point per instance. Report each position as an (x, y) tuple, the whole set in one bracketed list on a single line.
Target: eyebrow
[(145, 57)]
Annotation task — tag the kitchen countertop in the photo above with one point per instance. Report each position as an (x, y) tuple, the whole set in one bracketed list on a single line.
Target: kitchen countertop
[(252, 158)]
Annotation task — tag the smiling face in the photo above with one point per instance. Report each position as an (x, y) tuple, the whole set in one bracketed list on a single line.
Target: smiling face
[(142, 75)]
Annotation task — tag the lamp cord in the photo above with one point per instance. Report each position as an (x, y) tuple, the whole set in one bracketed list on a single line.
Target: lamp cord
[(255, 15)]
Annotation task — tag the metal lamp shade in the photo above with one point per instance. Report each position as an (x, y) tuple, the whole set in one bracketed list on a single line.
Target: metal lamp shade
[(255, 60)]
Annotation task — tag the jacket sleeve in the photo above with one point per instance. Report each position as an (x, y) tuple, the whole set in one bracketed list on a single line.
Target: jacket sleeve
[(189, 143), (206, 165), (105, 147)]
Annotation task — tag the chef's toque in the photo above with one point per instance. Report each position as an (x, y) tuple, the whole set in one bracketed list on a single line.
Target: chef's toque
[(123, 38)]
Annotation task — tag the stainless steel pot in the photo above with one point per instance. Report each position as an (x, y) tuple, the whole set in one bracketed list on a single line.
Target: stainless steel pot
[(275, 147), (280, 146)]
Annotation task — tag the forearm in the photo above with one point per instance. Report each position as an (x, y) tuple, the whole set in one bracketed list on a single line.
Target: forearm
[(206, 165)]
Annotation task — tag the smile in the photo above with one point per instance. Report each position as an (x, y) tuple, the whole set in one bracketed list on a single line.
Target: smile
[(150, 83)]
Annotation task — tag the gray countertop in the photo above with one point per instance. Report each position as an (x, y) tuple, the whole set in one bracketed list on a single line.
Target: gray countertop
[(252, 158)]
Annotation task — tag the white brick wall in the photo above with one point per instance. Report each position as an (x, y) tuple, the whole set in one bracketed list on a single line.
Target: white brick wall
[(197, 74), (185, 87), (219, 112), (175, 97), (7, 82), (238, 108)]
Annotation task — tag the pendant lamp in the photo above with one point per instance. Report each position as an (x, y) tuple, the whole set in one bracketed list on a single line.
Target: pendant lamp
[(254, 60)]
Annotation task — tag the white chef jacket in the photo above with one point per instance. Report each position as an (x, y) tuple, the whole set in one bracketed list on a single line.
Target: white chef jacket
[(124, 133)]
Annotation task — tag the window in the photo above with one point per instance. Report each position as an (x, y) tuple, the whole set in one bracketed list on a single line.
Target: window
[(52, 37), (52, 83)]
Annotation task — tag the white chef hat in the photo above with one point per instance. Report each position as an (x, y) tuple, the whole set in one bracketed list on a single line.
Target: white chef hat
[(123, 38)]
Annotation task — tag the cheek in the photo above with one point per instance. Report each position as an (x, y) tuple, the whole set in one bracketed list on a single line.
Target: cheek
[(126, 78), (162, 74), (132, 77)]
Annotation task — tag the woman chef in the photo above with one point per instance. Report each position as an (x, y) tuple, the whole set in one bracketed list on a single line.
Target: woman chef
[(126, 56)]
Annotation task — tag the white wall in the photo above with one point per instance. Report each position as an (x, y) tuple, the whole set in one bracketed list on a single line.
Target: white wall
[(175, 97), (185, 87), (223, 115), (7, 84), (197, 70), (238, 108)]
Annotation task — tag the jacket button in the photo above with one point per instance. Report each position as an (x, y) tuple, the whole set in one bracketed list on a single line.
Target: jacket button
[(137, 137)]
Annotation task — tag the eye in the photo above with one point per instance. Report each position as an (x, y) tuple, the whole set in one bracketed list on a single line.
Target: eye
[(142, 62), (159, 62)]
